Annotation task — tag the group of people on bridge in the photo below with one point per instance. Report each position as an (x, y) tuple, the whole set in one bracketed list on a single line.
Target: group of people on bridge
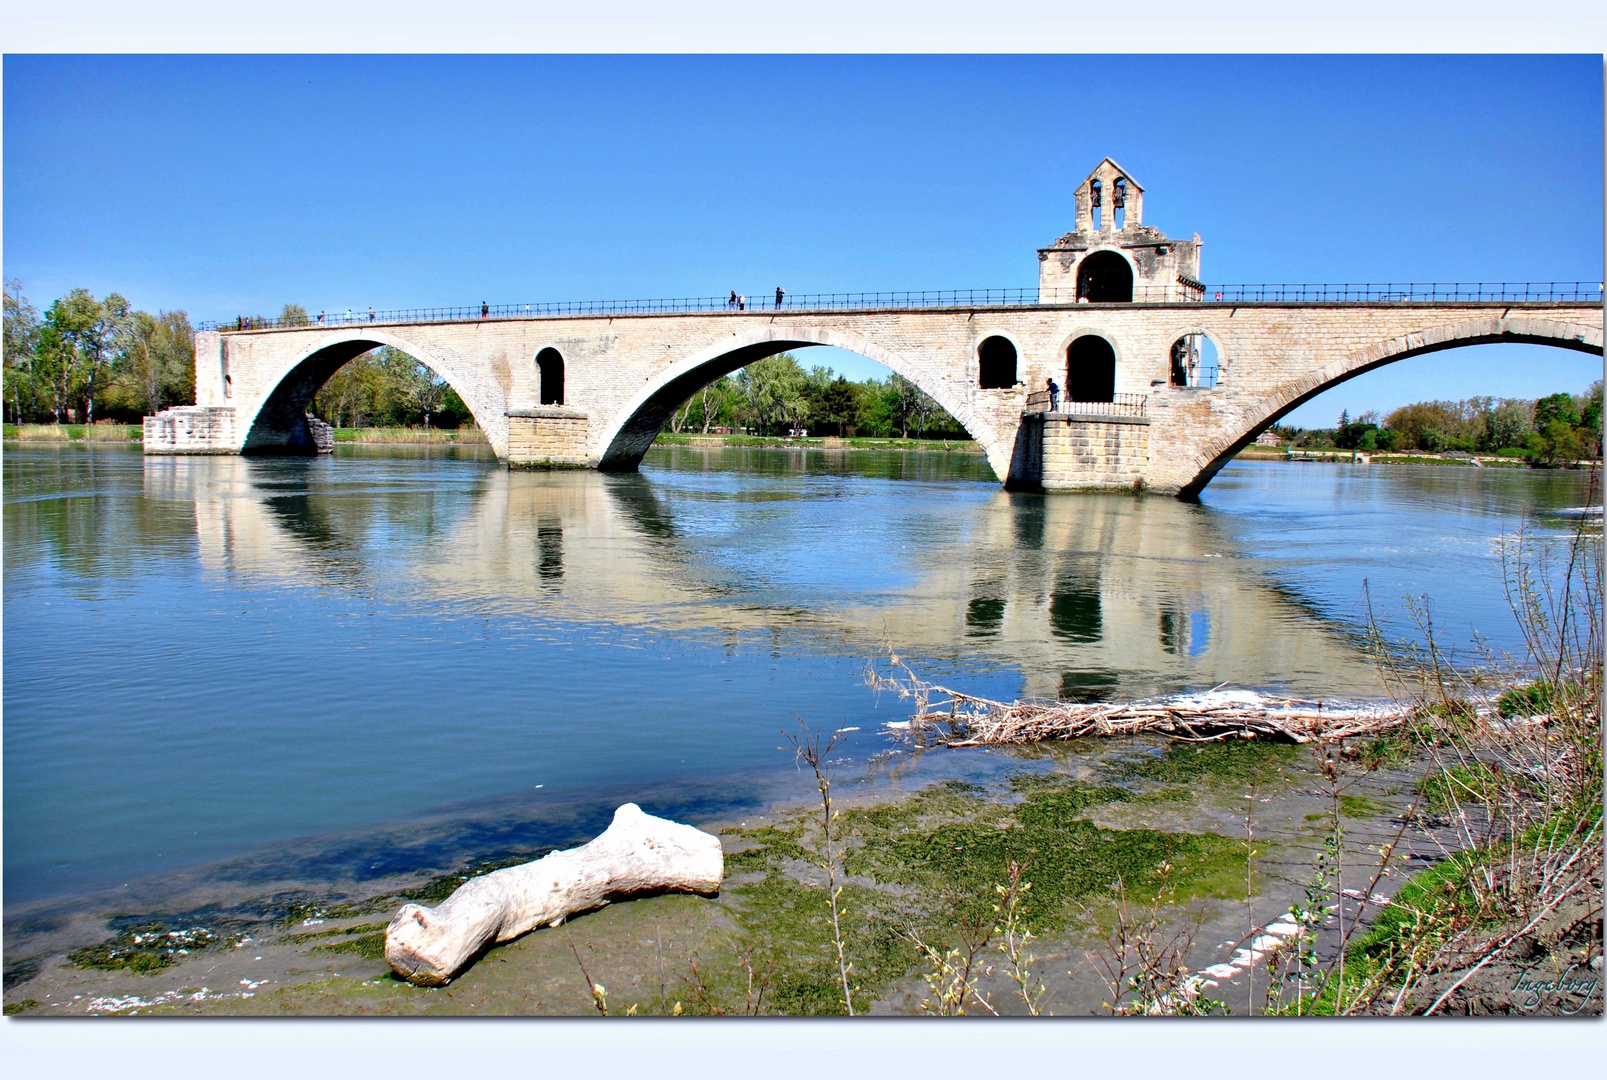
[(739, 301)]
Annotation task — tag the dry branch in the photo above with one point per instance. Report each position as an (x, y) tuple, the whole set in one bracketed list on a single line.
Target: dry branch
[(636, 854), (960, 719)]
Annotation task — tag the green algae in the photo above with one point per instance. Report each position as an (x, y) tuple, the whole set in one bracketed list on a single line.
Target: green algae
[(1360, 806), (930, 864), (143, 949), (1230, 762), (368, 946)]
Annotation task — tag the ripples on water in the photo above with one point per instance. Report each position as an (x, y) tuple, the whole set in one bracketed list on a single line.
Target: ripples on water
[(204, 656)]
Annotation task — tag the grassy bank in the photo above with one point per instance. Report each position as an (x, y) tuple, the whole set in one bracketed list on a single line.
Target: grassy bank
[(1343, 457), (960, 446), (395, 436), (60, 433)]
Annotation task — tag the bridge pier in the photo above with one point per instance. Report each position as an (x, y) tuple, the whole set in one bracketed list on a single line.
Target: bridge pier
[(1067, 451), (214, 429), (547, 437)]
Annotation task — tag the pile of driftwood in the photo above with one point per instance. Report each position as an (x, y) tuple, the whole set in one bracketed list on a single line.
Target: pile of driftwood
[(951, 718)]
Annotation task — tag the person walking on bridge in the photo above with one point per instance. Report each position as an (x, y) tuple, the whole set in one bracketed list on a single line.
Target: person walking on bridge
[(780, 292), (370, 312), (485, 309), (742, 301), (731, 303), (1054, 394)]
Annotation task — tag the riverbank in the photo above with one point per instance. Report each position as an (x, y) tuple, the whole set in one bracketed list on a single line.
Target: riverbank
[(1379, 457), (134, 433), (921, 865), (60, 433), (473, 436), (952, 446)]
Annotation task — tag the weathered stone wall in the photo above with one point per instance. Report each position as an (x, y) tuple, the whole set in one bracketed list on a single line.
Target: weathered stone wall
[(547, 438)]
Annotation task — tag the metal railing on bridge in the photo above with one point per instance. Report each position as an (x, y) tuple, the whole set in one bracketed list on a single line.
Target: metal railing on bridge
[(1430, 292), (1119, 405)]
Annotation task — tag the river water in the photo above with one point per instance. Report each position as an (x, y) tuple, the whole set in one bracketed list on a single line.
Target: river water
[(221, 670)]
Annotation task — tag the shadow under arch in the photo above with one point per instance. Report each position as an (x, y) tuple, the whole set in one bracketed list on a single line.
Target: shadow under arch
[(1289, 396), (644, 415), (280, 424)]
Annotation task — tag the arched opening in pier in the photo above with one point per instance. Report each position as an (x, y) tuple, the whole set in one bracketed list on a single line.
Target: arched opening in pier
[(550, 375), (1195, 361), (996, 363), (1090, 370), (1104, 277), (357, 382)]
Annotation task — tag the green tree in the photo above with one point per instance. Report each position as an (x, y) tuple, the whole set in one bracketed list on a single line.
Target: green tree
[(158, 359), (1556, 436), (1507, 425), (293, 315), (21, 348), (839, 404), (1556, 407), (773, 393)]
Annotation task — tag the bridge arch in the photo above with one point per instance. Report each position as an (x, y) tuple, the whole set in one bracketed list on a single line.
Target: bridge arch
[(639, 421), (1259, 415), (278, 422)]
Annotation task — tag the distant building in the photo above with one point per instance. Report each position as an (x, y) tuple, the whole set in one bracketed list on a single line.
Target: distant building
[(1268, 438)]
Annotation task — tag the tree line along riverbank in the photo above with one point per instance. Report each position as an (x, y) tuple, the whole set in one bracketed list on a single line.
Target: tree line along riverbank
[(469, 435)]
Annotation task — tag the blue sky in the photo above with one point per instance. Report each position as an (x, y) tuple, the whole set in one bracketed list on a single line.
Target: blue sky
[(224, 185)]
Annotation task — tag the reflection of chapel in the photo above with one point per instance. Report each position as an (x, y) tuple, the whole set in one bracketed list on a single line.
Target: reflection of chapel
[(1112, 257)]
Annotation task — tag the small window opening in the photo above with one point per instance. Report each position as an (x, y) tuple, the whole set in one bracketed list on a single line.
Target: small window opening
[(1090, 370), (1118, 203), (550, 368), (1195, 361), (228, 382), (1096, 191), (997, 362)]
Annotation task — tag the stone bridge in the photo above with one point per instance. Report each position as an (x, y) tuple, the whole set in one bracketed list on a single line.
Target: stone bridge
[(1120, 323)]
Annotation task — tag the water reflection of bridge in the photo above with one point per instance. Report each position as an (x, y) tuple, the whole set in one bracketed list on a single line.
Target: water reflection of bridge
[(1094, 597)]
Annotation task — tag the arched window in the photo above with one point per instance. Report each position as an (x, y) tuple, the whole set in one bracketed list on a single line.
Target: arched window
[(1118, 203), (1105, 278), (550, 365), (1194, 361), (997, 360), (1090, 370)]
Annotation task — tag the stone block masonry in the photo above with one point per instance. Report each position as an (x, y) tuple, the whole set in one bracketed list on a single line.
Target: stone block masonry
[(191, 429), (1106, 452), (547, 437)]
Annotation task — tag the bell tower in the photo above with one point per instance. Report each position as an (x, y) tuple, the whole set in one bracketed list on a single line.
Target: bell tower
[(1112, 257)]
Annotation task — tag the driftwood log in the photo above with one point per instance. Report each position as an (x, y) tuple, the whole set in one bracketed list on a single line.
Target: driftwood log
[(638, 853), (952, 718)]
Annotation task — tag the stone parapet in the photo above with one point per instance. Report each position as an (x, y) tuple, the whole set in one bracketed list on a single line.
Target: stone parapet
[(548, 437), (192, 429)]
